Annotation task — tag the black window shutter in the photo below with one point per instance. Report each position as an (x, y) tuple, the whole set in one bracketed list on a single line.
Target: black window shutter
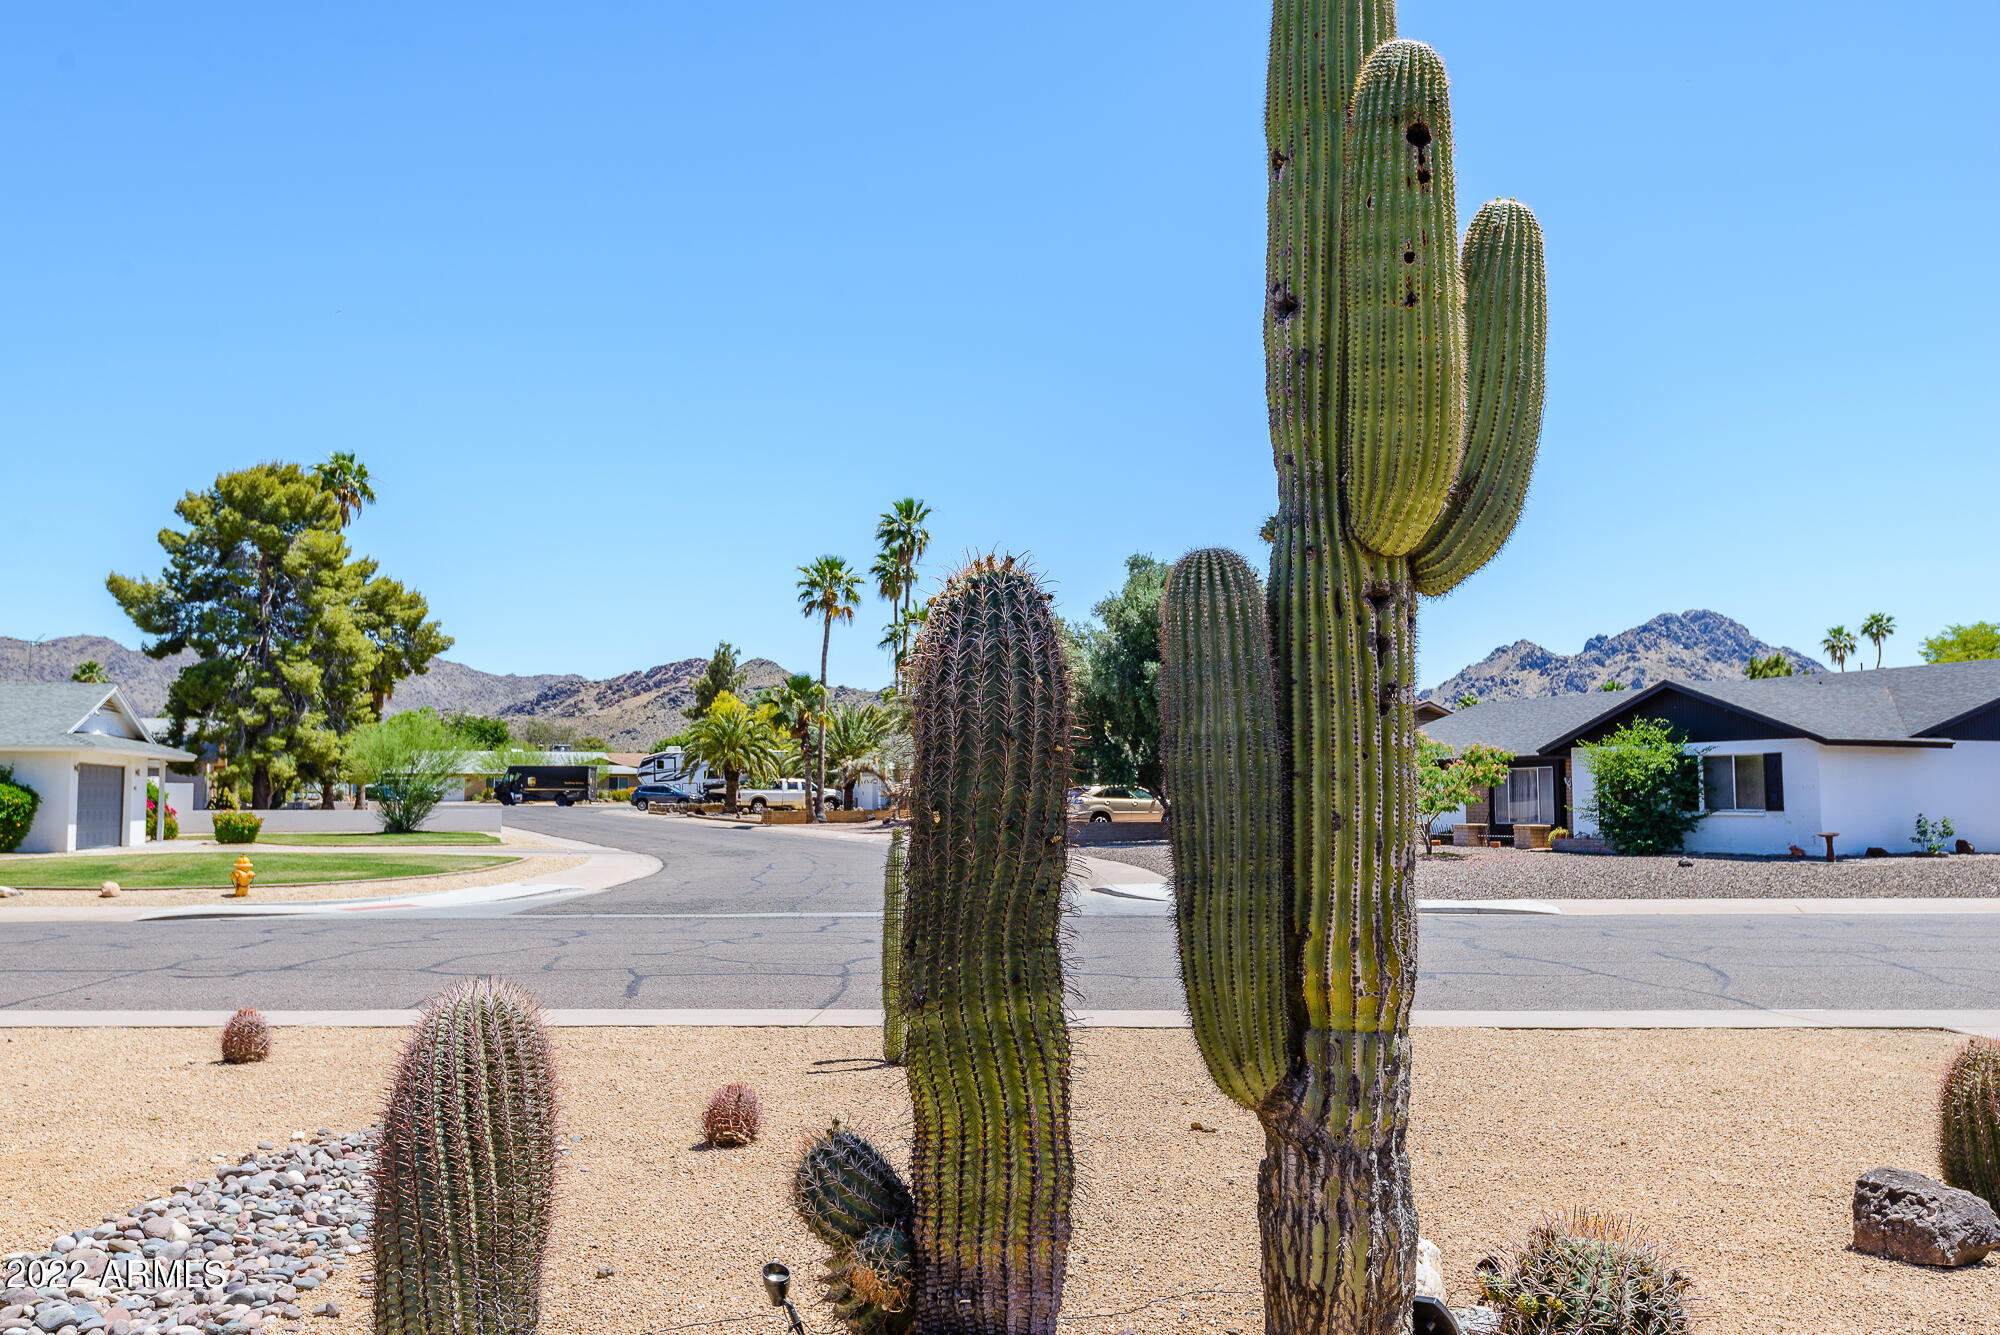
[(1774, 781)]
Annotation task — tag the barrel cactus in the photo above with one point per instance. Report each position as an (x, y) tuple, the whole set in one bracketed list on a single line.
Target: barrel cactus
[(246, 1037), (1588, 1273), (1969, 1120), (733, 1117), (892, 948), (465, 1174), (1404, 379), (986, 1047)]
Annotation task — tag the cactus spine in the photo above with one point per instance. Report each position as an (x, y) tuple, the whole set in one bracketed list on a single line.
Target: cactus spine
[(892, 949), (1969, 1121), (1292, 767), (465, 1176), (986, 1046)]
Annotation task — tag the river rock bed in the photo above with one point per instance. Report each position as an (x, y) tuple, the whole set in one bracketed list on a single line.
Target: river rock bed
[(219, 1256)]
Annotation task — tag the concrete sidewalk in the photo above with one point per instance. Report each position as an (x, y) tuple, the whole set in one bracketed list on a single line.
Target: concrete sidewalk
[(1985, 1022)]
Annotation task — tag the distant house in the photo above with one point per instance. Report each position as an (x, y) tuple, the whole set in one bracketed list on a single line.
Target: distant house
[(86, 752), (1857, 754)]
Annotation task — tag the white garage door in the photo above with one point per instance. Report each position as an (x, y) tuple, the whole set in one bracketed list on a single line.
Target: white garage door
[(100, 806)]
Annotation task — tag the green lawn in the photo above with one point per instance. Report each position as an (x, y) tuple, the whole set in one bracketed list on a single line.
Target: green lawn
[(199, 870), (432, 837)]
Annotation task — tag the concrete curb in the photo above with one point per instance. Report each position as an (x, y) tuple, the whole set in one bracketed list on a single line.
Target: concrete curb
[(1954, 1021)]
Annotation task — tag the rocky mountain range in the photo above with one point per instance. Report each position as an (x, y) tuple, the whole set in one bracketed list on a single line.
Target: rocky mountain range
[(1688, 646), (630, 712)]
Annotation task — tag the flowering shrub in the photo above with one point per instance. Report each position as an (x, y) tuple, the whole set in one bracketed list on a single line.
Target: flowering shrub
[(237, 827), (153, 812), (17, 810)]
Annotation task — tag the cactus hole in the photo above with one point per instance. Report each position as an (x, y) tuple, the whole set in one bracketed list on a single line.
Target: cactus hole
[(1410, 300), (1423, 176), (1419, 134), (1409, 257)]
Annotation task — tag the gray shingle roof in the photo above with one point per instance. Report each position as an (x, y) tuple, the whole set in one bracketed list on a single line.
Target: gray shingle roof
[(1887, 705), (46, 713)]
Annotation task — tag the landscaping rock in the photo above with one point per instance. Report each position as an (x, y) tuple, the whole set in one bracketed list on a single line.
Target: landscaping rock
[(1430, 1270), (1907, 1217)]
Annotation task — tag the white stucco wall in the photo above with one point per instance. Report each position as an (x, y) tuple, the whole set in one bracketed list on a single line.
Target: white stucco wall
[(1873, 793), (52, 775), (1758, 832)]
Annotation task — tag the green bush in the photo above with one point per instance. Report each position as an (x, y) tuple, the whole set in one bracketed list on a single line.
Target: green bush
[(237, 827), (614, 795), (1647, 786), (153, 815), (409, 761), (18, 803)]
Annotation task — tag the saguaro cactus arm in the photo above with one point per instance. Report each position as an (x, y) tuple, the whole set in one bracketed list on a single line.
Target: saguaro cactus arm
[(1220, 751), (1507, 317), (1402, 302)]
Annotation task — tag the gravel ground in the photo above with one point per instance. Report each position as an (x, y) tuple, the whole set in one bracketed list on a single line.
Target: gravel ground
[(1503, 873), (514, 871), (1741, 1147)]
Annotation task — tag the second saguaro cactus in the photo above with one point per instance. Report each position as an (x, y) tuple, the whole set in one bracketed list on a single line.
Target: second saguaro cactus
[(985, 1240), (892, 948), (1404, 380)]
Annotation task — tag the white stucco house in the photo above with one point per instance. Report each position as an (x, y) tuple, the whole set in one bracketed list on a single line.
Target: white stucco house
[(1785, 759), (86, 751)]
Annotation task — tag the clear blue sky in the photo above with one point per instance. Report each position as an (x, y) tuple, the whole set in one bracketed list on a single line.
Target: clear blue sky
[(723, 280)]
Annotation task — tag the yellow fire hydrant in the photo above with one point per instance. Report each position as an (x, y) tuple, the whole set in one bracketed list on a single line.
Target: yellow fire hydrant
[(243, 873)]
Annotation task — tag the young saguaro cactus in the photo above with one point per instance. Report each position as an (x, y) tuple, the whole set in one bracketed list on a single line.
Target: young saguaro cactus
[(986, 1046), (1404, 380), (892, 948), (465, 1176)]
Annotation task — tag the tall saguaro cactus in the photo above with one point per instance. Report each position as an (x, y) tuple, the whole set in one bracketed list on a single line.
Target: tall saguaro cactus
[(1404, 381), (981, 990), (892, 949)]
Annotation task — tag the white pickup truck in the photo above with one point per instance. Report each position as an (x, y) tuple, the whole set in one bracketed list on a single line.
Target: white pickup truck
[(783, 793)]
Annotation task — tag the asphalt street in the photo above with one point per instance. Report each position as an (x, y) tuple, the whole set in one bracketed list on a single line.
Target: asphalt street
[(756, 918)]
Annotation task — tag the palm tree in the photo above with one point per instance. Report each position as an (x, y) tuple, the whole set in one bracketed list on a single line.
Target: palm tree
[(92, 671), (347, 478), (853, 739), (830, 590), (1878, 627), (797, 704), (904, 541), (1838, 644), (732, 739)]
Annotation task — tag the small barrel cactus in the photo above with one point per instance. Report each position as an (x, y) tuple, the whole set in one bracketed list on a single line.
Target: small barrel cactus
[(1969, 1121), (246, 1038), (850, 1196), (1588, 1273), (892, 949), (465, 1175), (732, 1117)]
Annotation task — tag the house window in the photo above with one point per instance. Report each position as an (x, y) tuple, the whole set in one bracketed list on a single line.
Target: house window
[(1527, 798), (1742, 783)]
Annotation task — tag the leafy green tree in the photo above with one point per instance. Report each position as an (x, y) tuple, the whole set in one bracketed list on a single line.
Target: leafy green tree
[(721, 675), (1611, 684), (1447, 781), (18, 804), (676, 739), (1118, 707), (92, 671), (242, 589), (732, 739), (412, 760), (830, 590), (1838, 644), (1466, 702), (1772, 665), (480, 732), (396, 621), (1963, 644), (346, 479), (1878, 627), (1646, 787)]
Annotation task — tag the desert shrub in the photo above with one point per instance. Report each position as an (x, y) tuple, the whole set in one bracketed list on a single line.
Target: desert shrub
[(1933, 836), (246, 1038), (18, 804), (1647, 788), (411, 759), (237, 827), (1587, 1273), (732, 1117), (153, 812), (614, 795), (1969, 1120)]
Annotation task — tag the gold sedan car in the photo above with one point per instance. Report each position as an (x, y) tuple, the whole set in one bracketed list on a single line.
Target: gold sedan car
[(1109, 802)]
